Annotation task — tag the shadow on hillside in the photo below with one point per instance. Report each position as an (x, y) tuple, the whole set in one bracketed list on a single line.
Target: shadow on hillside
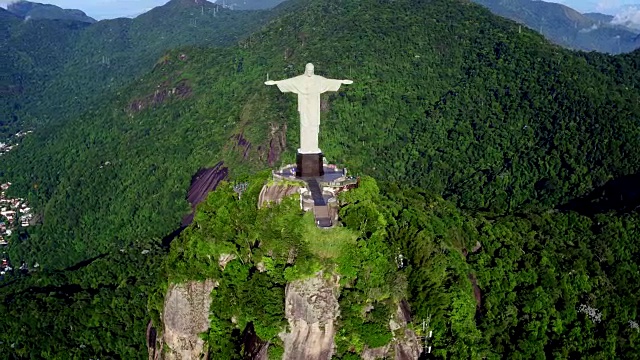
[(621, 195)]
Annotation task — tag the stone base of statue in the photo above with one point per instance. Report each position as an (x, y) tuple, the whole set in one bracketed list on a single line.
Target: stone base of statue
[(309, 165)]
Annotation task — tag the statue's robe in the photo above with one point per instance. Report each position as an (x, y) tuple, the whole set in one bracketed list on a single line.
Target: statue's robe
[(309, 89)]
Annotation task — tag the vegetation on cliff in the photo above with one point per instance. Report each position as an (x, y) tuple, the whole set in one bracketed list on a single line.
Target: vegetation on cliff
[(252, 253), (522, 286), (519, 286)]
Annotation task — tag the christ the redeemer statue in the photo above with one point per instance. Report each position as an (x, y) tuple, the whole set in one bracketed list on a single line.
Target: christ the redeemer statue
[(308, 87)]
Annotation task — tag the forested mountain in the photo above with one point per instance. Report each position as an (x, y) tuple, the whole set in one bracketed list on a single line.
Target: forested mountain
[(507, 129), (7, 16), (31, 10), (32, 55), (54, 69), (476, 130), (567, 27), (600, 18)]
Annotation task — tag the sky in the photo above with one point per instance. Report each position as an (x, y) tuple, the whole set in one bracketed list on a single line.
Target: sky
[(611, 7), (107, 9), (104, 9)]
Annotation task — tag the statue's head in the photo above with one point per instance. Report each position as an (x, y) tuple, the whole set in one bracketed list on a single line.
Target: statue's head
[(308, 70)]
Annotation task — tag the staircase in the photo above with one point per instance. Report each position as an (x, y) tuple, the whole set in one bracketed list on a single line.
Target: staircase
[(320, 207)]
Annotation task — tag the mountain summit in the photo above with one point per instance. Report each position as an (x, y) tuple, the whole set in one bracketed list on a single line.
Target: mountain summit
[(32, 10)]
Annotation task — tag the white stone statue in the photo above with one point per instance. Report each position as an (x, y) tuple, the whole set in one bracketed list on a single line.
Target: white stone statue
[(309, 87)]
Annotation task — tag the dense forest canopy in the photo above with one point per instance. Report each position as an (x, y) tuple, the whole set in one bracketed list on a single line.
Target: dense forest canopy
[(529, 286), (474, 130)]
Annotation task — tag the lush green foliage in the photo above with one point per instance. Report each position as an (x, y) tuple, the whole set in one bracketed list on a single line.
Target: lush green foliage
[(253, 253), (32, 55), (536, 277), (94, 310), (229, 238)]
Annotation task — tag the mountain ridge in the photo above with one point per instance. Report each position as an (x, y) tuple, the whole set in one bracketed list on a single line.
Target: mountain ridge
[(104, 55), (566, 26), (602, 18), (249, 4), (32, 10)]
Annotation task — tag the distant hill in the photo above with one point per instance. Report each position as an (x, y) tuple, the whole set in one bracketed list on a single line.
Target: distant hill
[(249, 4), (55, 68), (565, 26), (601, 18), (7, 21), (32, 10), (5, 15), (33, 53)]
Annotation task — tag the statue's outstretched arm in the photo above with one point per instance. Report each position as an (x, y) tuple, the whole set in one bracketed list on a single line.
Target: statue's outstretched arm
[(270, 82), (347, 82)]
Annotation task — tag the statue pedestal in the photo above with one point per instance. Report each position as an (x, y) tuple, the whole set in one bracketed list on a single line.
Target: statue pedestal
[(309, 165)]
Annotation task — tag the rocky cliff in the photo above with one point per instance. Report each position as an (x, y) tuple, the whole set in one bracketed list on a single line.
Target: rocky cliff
[(405, 344), (275, 193), (185, 316), (311, 306)]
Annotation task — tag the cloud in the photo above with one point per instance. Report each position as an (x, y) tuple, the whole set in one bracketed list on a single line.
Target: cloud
[(628, 16), (4, 3), (607, 5), (589, 29)]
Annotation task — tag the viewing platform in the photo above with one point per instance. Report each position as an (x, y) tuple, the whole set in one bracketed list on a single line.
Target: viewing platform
[(319, 193)]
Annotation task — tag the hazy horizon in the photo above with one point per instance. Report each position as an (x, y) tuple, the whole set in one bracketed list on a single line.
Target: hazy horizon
[(110, 9)]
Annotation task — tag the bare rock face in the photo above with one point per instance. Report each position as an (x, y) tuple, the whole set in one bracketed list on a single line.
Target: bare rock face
[(376, 353), (186, 314), (204, 181), (404, 346), (275, 193), (224, 259), (311, 306), (407, 346)]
